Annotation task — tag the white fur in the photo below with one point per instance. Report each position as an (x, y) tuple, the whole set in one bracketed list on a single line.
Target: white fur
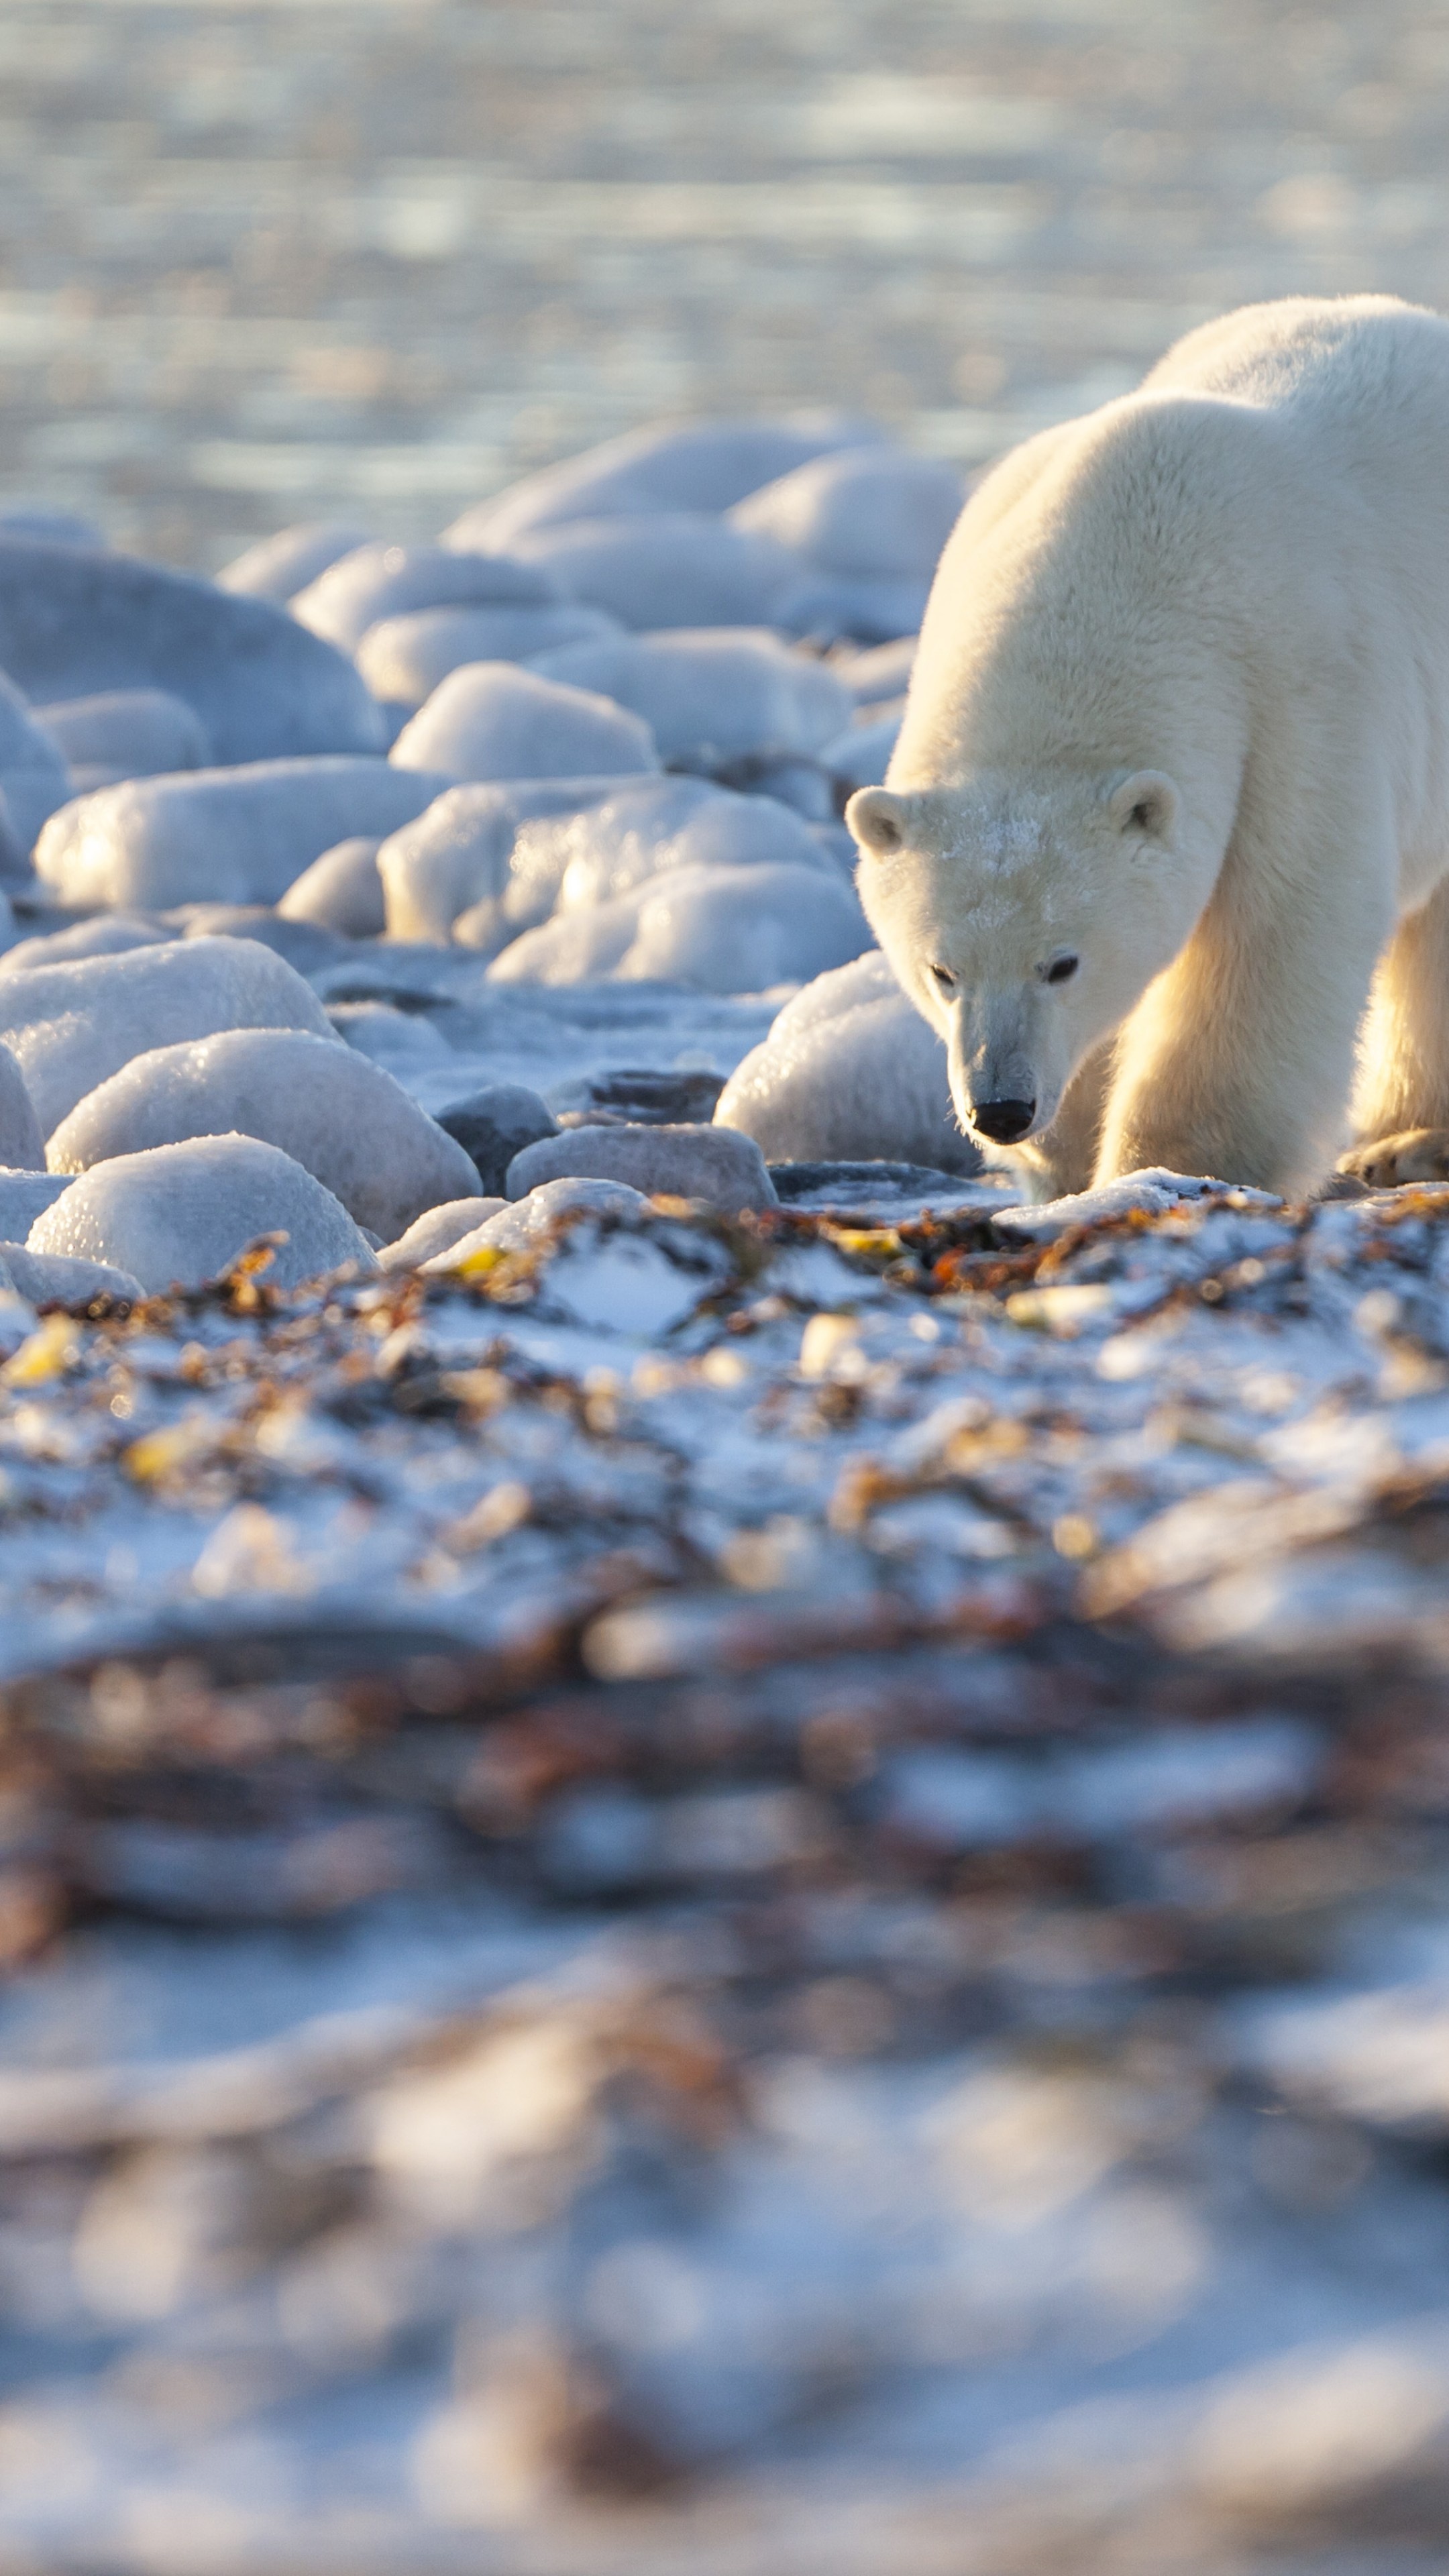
[(1181, 709)]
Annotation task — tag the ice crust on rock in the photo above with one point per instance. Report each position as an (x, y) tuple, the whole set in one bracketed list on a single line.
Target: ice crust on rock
[(22, 1146), (831, 608), (101, 934), (860, 756), (682, 570), (179, 1214), (436, 1231), (880, 673), (51, 527), (850, 1071), (278, 567), (493, 720), (62, 1279), (403, 659), (25, 1195), (34, 776), (519, 1227), (726, 1170), (653, 825), (863, 513), (380, 581), (494, 1124), (715, 696), (302, 943), (726, 929), (134, 733), (71, 1026), (241, 835), (339, 1115), (702, 466), (341, 891), (460, 852)]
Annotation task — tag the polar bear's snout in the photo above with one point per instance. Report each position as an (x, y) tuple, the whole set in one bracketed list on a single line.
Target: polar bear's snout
[(1004, 1121)]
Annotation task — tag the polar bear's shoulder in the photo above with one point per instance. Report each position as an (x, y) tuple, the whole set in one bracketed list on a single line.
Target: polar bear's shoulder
[(1316, 351)]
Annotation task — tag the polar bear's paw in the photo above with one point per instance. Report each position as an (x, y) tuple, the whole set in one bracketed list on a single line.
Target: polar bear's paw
[(1417, 1154)]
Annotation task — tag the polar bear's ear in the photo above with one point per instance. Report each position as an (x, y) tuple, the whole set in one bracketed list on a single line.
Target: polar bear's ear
[(1145, 805), (880, 821)]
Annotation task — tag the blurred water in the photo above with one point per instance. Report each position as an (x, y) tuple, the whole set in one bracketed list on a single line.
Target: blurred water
[(264, 261)]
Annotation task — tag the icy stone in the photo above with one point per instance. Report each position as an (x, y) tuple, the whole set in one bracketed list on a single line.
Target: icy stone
[(800, 784), (341, 891), (655, 824), (337, 1114), (879, 674), (34, 777), (645, 1095), (403, 659), (74, 624), (14, 861), (460, 853), (400, 1040), (866, 513), (24, 1196), (136, 733), (104, 934), (713, 697), (665, 572), (51, 527), (707, 466), (222, 835), (519, 1228), (381, 581), (726, 1171), (278, 567), (830, 608), (22, 1146), (57, 1279), (493, 720), (728, 930), (181, 1214), (437, 1231), (494, 1124), (72, 1026), (302, 943), (860, 756), (849, 1072)]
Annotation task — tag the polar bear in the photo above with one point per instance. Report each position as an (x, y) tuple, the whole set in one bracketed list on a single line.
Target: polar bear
[(1166, 831)]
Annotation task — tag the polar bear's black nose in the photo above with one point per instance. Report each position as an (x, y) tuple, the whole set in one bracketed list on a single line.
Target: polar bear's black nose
[(1003, 1120)]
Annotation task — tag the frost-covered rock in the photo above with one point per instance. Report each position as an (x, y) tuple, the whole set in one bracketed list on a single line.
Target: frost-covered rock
[(880, 673), (460, 853), (14, 863), (34, 777), (871, 513), (340, 1116), (302, 943), (22, 1145), (180, 1214), (832, 608), (727, 1171), (860, 756), (495, 1123), (495, 720), (705, 466), (403, 659), (379, 581), (104, 934), (341, 891), (404, 1042), (672, 571), (134, 733), (655, 824), (519, 1228), (57, 1279), (437, 1231), (849, 1072), (278, 567), (74, 624), (222, 835), (728, 930), (713, 697), (24, 1196), (51, 527), (71, 1026)]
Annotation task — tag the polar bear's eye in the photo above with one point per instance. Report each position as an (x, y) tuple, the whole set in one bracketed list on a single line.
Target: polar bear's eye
[(944, 978), (1060, 971)]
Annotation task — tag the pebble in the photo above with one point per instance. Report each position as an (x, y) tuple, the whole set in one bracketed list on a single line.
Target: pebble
[(403, 659), (60, 1279), (849, 1071), (714, 697), (495, 1123), (436, 1231), (864, 513), (707, 466), (727, 930), (278, 567), (180, 1214), (76, 624), (494, 720), (340, 1116), (725, 1169), (71, 1026), (682, 570), (133, 733), (34, 777), (341, 891), (22, 1146), (381, 581), (241, 835), (460, 853)]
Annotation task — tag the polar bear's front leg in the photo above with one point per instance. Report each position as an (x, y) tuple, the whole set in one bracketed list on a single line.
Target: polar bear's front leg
[(1401, 1101)]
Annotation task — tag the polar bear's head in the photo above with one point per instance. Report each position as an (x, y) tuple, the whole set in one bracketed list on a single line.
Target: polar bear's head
[(1025, 919)]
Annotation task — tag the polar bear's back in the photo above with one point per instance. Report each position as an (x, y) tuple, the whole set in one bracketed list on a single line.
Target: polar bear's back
[(1349, 357)]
